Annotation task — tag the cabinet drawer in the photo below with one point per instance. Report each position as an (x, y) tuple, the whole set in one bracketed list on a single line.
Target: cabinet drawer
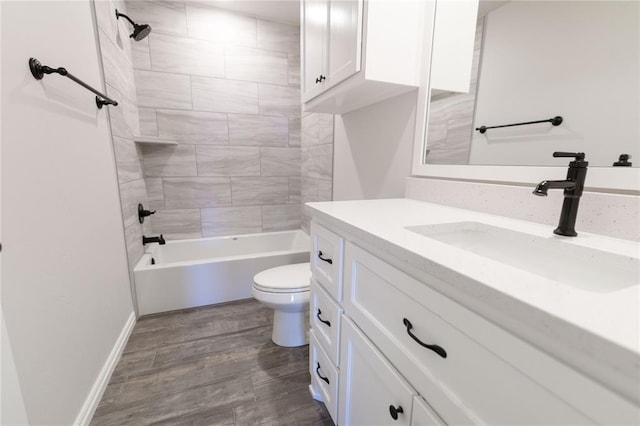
[(423, 415), (325, 318), (463, 380), (324, 376), (326, 259), (371, 390)]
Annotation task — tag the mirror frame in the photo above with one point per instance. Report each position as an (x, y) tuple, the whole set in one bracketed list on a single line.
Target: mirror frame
[(600, 179)]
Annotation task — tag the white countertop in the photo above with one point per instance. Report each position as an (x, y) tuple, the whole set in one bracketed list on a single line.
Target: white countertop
[(603, 326)]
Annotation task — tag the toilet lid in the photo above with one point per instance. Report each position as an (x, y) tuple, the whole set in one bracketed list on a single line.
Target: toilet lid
[(284, 279)]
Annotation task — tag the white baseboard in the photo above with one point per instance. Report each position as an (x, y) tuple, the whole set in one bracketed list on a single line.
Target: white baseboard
[(95, 395), (315, 395)]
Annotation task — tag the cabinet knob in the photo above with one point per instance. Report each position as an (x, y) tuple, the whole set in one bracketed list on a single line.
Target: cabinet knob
[(320, 79), (395, 411)]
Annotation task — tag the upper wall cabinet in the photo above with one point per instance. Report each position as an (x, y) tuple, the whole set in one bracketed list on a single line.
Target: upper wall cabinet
[(356, 53)]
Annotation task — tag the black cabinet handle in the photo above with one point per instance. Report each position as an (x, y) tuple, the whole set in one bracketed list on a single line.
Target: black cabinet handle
[(395, 411), (437, 349), (329, 261), (320, 375), (321, 320), (320, 79)]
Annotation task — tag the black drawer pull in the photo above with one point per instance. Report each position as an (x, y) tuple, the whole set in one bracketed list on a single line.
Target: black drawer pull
[(321, 320), (395, 411), (329, 261), (437, 349), (320, 375)]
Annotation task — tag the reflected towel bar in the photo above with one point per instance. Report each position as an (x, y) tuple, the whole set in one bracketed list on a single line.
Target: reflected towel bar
[(556, 121), (38, 71)]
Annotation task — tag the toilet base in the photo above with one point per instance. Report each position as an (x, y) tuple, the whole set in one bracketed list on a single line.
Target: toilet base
[(290, 329)]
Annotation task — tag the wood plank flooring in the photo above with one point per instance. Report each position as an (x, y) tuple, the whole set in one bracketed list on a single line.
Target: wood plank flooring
[(214, 365)]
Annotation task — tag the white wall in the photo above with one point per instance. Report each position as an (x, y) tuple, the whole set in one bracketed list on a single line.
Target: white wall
[(579, 60), (373, 148), (65, 288)]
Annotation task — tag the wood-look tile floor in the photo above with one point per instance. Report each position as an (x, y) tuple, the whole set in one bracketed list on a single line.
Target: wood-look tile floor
[(214, 365)]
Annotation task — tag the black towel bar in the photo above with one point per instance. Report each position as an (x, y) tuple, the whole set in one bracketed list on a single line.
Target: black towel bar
[(556, 121)]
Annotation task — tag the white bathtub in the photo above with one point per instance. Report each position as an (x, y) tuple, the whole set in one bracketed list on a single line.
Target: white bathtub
[(190, 273)]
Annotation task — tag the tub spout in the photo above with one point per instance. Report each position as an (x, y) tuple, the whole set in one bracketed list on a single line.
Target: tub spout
[(160, 240)]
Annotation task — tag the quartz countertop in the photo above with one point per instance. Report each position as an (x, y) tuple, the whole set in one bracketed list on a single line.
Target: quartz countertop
[(566, 321)]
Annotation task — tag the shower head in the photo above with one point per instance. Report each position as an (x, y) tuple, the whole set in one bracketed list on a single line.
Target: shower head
[(140, 31)]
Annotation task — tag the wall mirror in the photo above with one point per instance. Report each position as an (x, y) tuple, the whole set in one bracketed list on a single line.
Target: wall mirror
[(533, 61)]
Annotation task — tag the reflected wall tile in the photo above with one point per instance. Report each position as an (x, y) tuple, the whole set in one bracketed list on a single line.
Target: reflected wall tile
[(280, 218), (325, 128), (325, 190), (162, 90), (279, 100), (155, 193), (220, 25), (258, 130), (228, 161), (295, 135), (309, 129), (320, 161), (231, 220), (243, 63), (279, 37), (186, 56), (193, 127), (127, 164), (280, 161), (141, 55), (177, 224), (219, 95), (159, 161), (250, 191), (196, 192), (295, 187), (148, 122), (293, 68), (164, 16)]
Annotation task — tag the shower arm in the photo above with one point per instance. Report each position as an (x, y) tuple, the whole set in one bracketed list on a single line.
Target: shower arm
[(118, 15)]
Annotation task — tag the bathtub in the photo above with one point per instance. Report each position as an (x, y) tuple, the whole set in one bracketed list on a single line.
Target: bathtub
[(198, 272)]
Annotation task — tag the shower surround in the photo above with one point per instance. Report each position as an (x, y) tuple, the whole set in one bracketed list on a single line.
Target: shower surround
[(227, 87)]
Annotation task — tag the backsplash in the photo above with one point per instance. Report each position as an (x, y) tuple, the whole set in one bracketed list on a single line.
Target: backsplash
[(614, 215), (227, 87)]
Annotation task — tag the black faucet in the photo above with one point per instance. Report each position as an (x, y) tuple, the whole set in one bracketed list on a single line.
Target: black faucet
[(160, 240), (573, 186)]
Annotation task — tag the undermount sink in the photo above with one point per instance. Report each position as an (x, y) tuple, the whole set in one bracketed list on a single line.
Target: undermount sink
[(551, 258)]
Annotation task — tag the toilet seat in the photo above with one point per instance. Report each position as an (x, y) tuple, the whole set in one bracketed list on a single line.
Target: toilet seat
[(284, 279)]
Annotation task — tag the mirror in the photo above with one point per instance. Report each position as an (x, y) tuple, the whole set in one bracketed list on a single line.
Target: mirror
[(534, 61)]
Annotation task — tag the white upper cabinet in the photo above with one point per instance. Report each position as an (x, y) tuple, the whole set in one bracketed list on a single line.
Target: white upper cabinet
[(453, 38), (356, 53)]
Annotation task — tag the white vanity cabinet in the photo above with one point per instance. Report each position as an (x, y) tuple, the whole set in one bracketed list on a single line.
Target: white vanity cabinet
[(359, 52), (403, 353)]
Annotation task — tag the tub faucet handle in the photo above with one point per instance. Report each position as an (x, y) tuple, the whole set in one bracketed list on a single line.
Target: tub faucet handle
[(142, 213)]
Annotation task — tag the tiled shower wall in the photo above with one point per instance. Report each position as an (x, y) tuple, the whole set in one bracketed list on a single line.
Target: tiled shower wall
[(227, 88), (317, 160), (117, 61)]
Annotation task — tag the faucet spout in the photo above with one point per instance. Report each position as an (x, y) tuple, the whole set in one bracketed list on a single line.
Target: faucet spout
[(543, 187), (160, 240)]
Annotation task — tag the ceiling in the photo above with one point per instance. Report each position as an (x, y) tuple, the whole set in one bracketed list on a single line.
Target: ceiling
[(286, 11)]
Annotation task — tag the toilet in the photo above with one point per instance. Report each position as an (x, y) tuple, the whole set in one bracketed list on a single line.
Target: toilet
[(285, 289)]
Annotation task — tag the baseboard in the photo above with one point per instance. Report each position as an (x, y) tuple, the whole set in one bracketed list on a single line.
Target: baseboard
[(315, 395), (99, 386)]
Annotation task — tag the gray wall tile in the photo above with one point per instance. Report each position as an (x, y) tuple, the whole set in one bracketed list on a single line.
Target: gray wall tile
[(228, 161), (193, 127), (293, 62), (258, 130), (243, 63), (117, 69), (279, 100), (177, 224), (320, 161), (155, 193), (248, 191), (164, 16), (231, 220), (280, 161), (186, 56), (126, 160), (295, 186), (220, 25), (148, 122), (141, 55), (159, 161), (295, 135), (279, 37), (162, 90), (196, 192), (219, 95), (280, 218)]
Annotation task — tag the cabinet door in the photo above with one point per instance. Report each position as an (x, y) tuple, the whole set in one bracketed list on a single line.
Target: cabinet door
[(314, 46), (423, 415), (345, 39), (371, 390)]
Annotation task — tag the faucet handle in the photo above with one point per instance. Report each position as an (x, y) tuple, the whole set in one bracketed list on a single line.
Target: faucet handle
[(579, 156)]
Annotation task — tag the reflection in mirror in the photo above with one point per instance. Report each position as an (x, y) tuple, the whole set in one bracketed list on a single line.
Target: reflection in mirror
[(536, 60)]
